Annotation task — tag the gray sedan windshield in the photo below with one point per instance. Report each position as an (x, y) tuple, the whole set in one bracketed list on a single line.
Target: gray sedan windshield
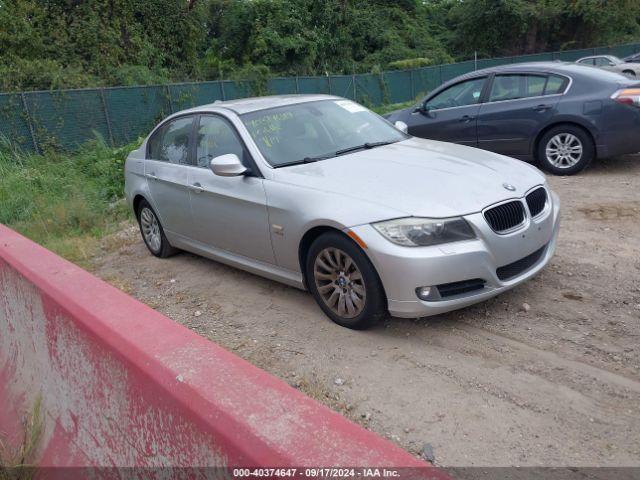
[(312, 131)]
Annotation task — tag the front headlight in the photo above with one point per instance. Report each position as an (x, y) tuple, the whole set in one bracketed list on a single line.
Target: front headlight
[(422, 232)]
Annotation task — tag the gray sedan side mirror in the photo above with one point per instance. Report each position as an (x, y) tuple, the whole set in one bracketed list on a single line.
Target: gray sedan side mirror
[(228, 165), (403, 127)]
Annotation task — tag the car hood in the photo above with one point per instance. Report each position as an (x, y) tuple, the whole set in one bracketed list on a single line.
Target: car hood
[(418, 177)]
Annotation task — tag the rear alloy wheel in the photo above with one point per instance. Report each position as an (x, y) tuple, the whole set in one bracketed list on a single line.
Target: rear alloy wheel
[(152, 232), (565, 150), (343, 282)]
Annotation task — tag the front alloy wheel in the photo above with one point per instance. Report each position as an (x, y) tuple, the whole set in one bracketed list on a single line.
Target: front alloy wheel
[(343, 281), (339, 282)]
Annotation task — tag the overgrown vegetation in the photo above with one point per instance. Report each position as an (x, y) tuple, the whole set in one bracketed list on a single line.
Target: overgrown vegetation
[(49, 44), (63, 201), (18, 463)]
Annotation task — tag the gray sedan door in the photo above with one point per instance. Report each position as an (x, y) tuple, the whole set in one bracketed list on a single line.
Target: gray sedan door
[(166, 169), (450, 115), (229, 213), (517, 107)]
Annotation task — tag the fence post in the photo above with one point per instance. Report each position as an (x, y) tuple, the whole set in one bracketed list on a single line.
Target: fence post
[(224, 96), (353, 80), (413, 87), (106, 117), (297, 85), (329, 79), (169, 98), (25, 107)]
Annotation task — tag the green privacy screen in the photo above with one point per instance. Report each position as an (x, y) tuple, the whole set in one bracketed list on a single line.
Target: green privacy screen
[(65, 119)]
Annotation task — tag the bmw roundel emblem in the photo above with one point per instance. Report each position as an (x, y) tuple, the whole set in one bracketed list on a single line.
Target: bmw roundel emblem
[(509, 187)]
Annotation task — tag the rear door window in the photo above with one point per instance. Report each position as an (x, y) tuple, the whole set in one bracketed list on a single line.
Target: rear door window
[(171, 142), (516, 86), (507, 87), (603, 62), (535, 85)]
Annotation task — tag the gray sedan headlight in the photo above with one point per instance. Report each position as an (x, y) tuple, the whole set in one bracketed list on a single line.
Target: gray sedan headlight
[(422, 232)]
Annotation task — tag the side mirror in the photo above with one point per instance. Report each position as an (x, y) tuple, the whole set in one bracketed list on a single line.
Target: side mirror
[(422, 108), (228, 165), (403, 127)]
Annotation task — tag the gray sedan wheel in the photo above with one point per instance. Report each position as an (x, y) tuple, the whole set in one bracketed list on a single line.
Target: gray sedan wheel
[(152, 232), (565, 150), (343, 281)]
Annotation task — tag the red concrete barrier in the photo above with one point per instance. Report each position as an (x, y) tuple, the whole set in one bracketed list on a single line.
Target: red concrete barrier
[(122, 385)]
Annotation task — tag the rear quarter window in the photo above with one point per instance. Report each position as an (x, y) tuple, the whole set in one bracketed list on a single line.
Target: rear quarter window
[(555, 85)]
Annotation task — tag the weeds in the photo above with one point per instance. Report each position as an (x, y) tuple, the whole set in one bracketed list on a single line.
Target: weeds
[(63, 201), (19, 463)]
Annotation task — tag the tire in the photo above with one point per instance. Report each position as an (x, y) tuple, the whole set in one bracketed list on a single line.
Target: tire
[(630, 73), (154, 238), (558, 148), (359, 285)]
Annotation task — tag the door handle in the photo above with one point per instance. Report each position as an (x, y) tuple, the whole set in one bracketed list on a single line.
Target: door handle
[(466, 119), (541, 107), (197, 188)]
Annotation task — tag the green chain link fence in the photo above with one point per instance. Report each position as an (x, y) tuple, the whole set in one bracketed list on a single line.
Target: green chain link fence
[(65, 119)]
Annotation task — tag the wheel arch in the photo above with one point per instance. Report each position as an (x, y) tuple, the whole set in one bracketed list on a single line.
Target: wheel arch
[(137, 200), (305, 243), (310, 236)]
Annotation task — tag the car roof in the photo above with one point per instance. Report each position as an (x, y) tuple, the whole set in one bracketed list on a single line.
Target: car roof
[(247, 105), (596, 56), (561, 68), (541, 67)]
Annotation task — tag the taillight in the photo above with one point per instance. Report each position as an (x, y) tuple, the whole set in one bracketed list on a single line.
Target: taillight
[(628, 96)]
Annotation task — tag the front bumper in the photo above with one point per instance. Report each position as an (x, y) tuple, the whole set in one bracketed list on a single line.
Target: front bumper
[(403, 269)]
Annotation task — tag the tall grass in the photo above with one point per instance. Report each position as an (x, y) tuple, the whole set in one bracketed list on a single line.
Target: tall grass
[(64, 201)]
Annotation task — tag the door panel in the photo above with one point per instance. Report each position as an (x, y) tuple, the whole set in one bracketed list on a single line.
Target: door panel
[(450, 115), (457, 125), (229, 213), (168, 185), (167, 174), (515, 112)]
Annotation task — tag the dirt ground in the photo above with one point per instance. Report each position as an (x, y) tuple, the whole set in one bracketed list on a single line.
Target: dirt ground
[(555, 382)]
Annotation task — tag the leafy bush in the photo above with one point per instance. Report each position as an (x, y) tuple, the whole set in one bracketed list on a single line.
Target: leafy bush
[(137, 75), (409, 63)]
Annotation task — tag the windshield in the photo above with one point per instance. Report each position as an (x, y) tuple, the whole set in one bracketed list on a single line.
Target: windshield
[(615, 60), (312, 131)]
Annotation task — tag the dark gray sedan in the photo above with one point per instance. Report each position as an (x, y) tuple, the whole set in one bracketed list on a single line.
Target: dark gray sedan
[(559, 114)]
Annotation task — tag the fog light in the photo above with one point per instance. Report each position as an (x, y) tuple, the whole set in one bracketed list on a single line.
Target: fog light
[(423, 293)]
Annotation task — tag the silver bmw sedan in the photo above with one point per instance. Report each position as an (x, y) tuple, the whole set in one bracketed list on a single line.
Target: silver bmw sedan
[(322, 194)]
